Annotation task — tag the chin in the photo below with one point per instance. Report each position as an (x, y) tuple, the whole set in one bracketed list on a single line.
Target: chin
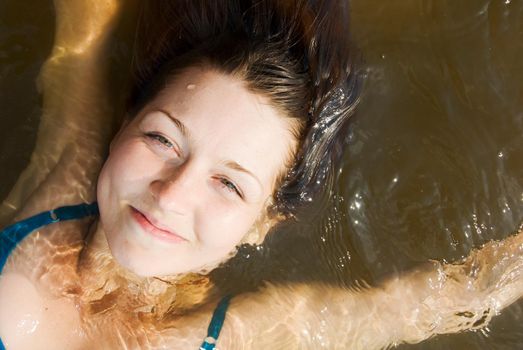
[(144, 262), (142, 266)]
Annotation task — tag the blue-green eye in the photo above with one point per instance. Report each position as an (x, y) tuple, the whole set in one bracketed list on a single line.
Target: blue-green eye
[(159, 138), (231, 186)]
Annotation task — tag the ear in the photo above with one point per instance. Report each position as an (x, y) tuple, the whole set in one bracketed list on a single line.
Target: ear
[(265, 222), (257, 233)]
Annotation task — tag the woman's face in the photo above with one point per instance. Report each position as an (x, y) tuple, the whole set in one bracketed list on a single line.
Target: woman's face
[(189, 176)]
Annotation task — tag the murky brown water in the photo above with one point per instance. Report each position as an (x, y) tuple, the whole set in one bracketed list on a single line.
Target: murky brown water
[(433, 163)]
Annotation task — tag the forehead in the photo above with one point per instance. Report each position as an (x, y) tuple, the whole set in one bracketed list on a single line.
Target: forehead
[(225, 121)]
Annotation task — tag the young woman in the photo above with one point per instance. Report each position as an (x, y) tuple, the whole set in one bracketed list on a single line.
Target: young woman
[(236, 108)]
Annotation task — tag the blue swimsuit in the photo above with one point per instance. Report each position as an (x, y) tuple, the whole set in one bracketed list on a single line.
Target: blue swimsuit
[(12, 235)]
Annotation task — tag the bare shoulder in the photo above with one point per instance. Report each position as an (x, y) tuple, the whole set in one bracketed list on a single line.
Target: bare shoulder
[(28, 320), (37, 290)]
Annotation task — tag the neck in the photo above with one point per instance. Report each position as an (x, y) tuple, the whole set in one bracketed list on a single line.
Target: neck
[(107, 285)]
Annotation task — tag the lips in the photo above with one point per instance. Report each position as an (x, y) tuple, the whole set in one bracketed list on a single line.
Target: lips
[(150, 226)]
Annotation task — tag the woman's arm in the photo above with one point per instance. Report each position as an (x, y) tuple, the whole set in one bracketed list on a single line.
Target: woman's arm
[(435, 299), (77, 119)]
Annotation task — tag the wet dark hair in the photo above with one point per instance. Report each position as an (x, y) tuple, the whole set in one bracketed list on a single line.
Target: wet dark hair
[(295, 53)]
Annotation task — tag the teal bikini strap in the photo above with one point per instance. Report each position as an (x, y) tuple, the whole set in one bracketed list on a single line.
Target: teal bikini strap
[(15, 233), (216, 324)]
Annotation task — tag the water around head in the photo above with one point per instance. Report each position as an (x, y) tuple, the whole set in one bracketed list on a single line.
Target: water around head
[(433, 158)]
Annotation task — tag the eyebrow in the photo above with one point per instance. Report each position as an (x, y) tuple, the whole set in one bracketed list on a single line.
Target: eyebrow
[(179, 124)]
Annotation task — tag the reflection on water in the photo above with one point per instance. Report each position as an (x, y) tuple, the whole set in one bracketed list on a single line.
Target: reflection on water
[(433, 162)]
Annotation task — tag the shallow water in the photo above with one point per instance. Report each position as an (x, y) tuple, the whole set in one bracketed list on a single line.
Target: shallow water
[(432, 166)]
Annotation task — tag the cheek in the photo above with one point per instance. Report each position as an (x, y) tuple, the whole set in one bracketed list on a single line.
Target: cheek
[(126, 173), (129, 165), (225, 226)]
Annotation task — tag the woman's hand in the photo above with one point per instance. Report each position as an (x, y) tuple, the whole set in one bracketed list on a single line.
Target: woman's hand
[(435, 299)]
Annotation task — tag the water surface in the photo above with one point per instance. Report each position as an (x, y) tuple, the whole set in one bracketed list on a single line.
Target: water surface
[(433, 161)]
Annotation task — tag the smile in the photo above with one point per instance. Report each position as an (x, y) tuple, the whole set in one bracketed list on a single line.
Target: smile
[(152, 229)]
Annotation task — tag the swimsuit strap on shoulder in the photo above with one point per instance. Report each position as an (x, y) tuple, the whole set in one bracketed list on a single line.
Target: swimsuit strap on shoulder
[(216, 324), (15, 233)]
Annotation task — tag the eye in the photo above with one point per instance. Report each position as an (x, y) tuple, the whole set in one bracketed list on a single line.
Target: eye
[(230, 186), (163, 141)]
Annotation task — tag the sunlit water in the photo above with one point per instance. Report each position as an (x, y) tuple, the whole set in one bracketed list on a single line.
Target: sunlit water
[(433, 161)]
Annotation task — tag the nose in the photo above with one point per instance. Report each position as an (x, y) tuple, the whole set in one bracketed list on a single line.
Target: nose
[(177, 190)]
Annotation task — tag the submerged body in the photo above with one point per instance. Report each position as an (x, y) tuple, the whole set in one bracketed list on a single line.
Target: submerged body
[(440, 299), (62, 288)]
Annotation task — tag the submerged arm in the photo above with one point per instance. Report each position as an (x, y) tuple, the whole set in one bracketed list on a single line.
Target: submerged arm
[(77, 118), (438, 299)]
